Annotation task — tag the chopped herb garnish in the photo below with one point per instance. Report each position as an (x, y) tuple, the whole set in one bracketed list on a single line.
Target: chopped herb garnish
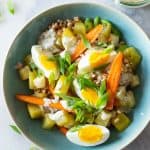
[(15, 129), (102, 44), (79, 106), (85, 42), (10, 6), (64, 62), (51, 78), (39, 73), (108, 49), (85, 82), (75, 128), (103, 94), (32, 65)]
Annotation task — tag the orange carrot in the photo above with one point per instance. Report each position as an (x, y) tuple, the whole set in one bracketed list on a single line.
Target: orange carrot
[(38, 101), (57, 106), (91, 37), (63, 130), (113, 79), (30, 99)]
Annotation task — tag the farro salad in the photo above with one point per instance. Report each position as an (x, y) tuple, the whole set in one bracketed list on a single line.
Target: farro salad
[(82, 75)]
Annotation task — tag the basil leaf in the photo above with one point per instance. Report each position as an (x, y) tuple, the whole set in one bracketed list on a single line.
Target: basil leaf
[(15, 129), (10, 6)]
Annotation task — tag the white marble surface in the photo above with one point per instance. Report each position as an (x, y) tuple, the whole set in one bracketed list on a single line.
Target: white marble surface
[(10, 25)]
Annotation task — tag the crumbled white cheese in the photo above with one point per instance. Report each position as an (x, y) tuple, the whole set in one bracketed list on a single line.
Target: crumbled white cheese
[(39, 82), (56, 116), (47, 102), (47, 39)]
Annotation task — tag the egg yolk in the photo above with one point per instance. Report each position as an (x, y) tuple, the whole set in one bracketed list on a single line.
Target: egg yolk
[(96, 59), (90, 134), (47, 64), (90, 95), (67, 32)]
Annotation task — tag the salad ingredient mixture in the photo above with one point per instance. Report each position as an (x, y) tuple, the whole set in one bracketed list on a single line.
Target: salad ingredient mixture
[(82, 76)]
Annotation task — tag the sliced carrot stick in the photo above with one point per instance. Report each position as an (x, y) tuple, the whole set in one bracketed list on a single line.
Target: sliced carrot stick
[(63, 130), (113, 79), (30, 99), (57, 106), (38, 101), (94, 33), (91, 37)]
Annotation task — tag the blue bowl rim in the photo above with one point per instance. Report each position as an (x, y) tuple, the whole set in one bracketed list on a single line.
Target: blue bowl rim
[(139, 29)]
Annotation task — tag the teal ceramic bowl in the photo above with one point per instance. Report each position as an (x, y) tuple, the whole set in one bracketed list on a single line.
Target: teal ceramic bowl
[(53, 140)]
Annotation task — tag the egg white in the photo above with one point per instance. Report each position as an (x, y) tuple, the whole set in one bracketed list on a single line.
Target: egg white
[(36, 51), (84, 64), (73, 137)]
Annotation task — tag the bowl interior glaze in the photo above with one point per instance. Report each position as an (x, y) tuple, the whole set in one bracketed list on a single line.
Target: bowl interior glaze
[(21, 47)]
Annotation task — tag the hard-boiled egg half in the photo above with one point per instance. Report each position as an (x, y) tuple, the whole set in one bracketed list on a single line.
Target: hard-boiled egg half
[(89, 95), (68, 40), (93, 59), (88, 135), (41, 59)]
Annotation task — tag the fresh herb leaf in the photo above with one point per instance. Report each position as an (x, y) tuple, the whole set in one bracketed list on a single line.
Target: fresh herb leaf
[(51, 78), (122, 47), (108, 49), (32, 65), (15, 129), (39, 73), (102, 102), (85, 42), (103, 96), (71, 71), (10, 6), (102, 89), (67, 57), (64, 62), (102, 44), (75, 128), (79, 106), (85, 82)]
